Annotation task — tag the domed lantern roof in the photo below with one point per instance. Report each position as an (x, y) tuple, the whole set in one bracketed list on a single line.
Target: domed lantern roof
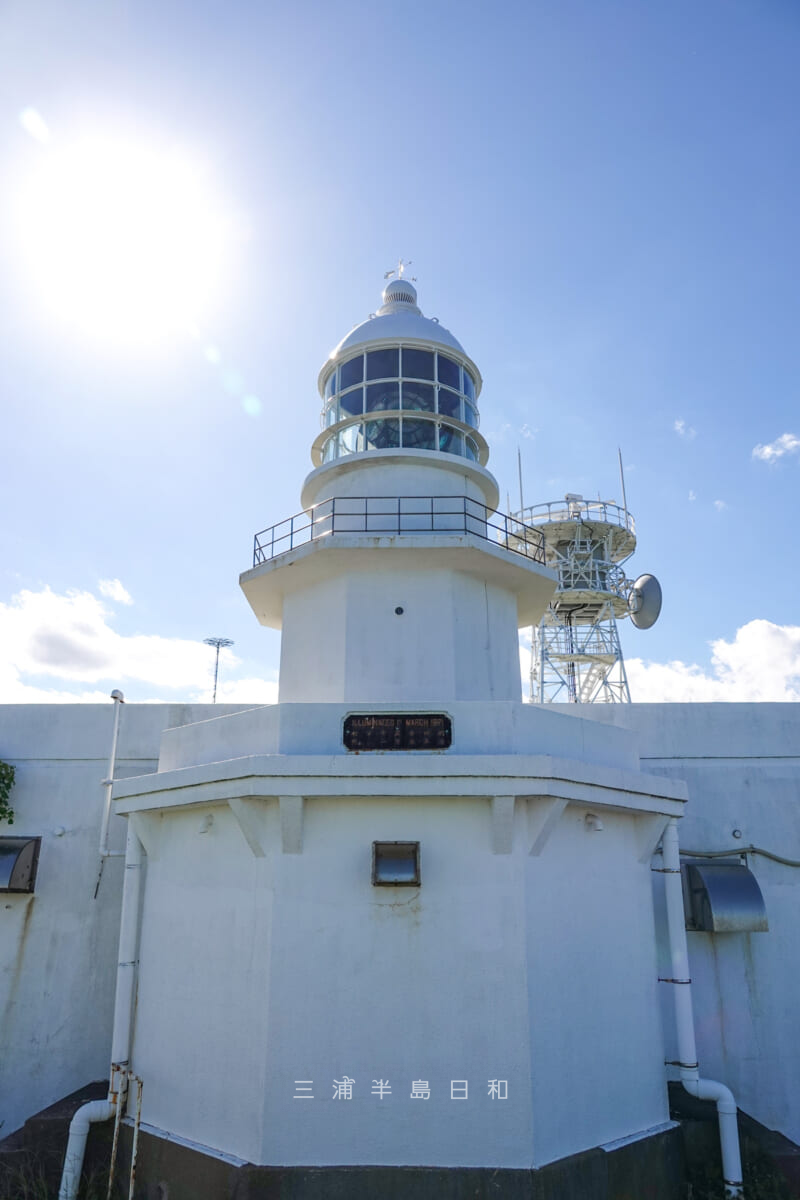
[(400, 383), (398, 318)]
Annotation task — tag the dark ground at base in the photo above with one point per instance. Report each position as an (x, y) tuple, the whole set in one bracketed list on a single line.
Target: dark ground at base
[(655, 1168)]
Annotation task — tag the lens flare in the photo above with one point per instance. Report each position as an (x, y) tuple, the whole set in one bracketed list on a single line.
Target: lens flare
[(125, 241)]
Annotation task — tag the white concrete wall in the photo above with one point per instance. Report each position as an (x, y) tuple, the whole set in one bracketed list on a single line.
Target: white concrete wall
[(400, 984), (498, 728), (259, 972), (456, 638), (742, 765), (400, 473), (597, 1049), (203, 1011), (58, 947)]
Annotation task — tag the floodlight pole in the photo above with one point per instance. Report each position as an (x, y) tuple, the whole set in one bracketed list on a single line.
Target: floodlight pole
[(219, 643)]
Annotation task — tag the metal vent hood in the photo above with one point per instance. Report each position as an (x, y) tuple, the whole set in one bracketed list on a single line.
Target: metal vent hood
[(722, 896)]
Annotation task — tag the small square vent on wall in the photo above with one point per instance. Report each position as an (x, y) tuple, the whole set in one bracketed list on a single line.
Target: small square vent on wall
[(395, 864)]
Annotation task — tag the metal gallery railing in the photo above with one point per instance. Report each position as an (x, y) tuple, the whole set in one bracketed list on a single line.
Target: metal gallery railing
[(378, 515), (605, 511)]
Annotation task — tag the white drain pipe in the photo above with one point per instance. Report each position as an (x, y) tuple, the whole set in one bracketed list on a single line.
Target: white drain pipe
[(108, 784), (103, 1110), (703, 1089), (87, 1114)]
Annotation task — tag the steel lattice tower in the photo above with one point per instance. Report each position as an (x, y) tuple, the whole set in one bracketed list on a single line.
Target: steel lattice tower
[(576, 656)]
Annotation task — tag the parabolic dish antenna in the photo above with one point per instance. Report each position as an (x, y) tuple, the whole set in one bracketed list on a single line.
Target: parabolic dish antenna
[(644, 601)]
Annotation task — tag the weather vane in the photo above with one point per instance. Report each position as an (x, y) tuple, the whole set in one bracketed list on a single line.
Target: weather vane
[(400, 270)]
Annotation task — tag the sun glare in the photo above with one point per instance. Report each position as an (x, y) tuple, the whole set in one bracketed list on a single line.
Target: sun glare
[(126, 242)]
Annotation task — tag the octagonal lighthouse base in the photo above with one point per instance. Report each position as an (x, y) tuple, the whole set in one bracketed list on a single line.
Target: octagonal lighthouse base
[(406, 618)]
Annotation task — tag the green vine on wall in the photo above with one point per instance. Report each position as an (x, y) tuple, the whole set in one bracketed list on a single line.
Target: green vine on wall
[(7, 774)]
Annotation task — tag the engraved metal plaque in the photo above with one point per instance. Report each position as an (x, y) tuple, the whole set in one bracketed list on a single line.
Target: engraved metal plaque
[(398, 731)]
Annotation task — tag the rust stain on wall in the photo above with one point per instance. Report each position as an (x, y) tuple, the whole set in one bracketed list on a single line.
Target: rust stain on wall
[(15, 971)]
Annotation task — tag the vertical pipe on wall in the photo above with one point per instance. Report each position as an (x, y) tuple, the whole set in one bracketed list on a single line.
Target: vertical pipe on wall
[(108, 784), (104, 1110), (703, 1089), (128, 950)]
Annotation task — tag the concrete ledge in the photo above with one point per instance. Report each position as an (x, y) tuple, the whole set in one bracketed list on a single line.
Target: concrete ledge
[(426, 774), (650, 1168)]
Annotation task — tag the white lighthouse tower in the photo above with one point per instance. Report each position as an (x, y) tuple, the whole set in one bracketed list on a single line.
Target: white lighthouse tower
[(397, 932), (399, 581)]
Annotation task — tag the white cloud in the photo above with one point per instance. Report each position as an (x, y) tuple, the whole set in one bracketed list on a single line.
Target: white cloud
[(720, 505), (49, 642), (68, 637), (13, 690), (113, 589), (761, 663), (248, 691), (787, 443), (683, 430), (692, 495)]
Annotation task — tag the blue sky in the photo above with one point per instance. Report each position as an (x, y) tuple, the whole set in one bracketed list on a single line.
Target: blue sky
[(599, 199)]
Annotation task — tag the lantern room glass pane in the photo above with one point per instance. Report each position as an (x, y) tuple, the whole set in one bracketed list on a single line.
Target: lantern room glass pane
[(330, 386), (419, 435), (351, 440), (351, 372), (329, 451), (449, 372), (451, 441), (449, 403), (331, 414), (352, 403), (417, 364), (383, 395), (382, 434), (419, 396), (470, 415), (469, 385), (383, 364), (471, 448)]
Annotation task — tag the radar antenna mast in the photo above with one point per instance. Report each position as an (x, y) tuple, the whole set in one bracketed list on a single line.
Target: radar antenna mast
[(576, 656)]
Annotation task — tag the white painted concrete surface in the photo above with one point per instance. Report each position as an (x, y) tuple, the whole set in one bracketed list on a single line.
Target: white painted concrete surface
[(455, 636), (58, 947), (548, 939), (400, 473), (268, 956), (742, 766), (293, 967)]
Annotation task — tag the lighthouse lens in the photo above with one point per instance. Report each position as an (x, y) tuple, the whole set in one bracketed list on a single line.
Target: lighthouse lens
[(382, 435), (418, 396), (382, 396), (419, 435)]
